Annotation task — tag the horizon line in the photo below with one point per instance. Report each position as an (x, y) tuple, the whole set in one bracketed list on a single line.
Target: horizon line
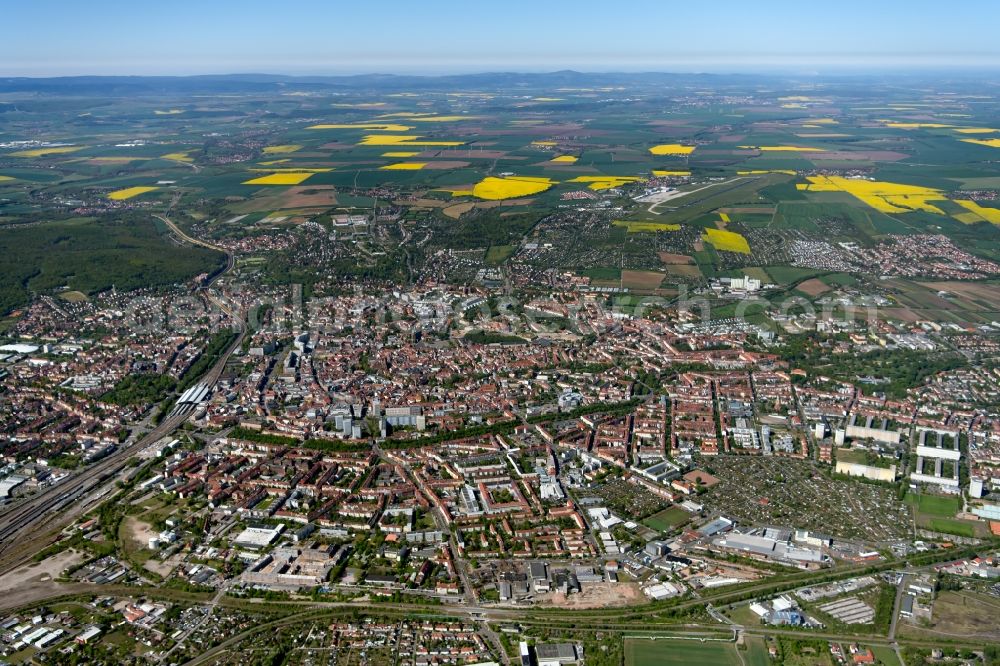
[(832, 71)]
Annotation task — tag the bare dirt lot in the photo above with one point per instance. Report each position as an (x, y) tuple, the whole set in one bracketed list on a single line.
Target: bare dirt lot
[(813, 287), (697, 475), (902, 314), (668, 258), (456, 211), (36, 580), (137, 535), (962, 615), (684, 271), (306, 197), (598, 595), (979, 294), (315, 196), (641, 279)]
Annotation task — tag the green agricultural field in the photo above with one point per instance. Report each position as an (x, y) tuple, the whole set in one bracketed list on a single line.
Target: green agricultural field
[(497, 254), (603, 274), (786, 275), (989, 182), (666, 652), (206, 156), (848, 220), (839, 280), (752, 311), (704, 199), (754, 272), (26, 175), (886, 655), (756, 653), (752, 221)]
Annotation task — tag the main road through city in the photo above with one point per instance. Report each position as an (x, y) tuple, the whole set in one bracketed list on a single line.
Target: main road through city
[(28, 525)]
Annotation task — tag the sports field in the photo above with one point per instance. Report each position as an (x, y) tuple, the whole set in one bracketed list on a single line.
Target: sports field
[(667, 651), (667, 519), (949, 526), (936, 512), (936, 505)]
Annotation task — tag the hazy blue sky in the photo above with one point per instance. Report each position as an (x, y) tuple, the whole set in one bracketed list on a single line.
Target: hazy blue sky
[(52, 37)]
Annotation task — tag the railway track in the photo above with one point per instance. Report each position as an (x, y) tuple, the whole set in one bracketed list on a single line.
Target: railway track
[(36, 522)]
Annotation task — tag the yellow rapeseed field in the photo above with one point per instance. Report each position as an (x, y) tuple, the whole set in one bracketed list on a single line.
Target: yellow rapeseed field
[(671, 149), (404, 140), (543, 143), (780, 149), (42, 152), (666, 173), (4, 179), (989, 143), (884, 197), (129, 192), (272, 162), (565, 159), (727, 241), (401, 153), (510, 187), (976, 130), (285, 178), (177, 157), (604, 182), (991, 215), (917, 125), (758, 172), (404, 166), (968, 218), (291, 170), (282, 150)]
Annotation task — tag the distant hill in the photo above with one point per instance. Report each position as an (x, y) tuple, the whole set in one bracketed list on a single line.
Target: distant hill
[(259, 83)]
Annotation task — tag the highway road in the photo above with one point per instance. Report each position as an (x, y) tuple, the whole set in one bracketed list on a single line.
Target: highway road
[(29, 525)]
